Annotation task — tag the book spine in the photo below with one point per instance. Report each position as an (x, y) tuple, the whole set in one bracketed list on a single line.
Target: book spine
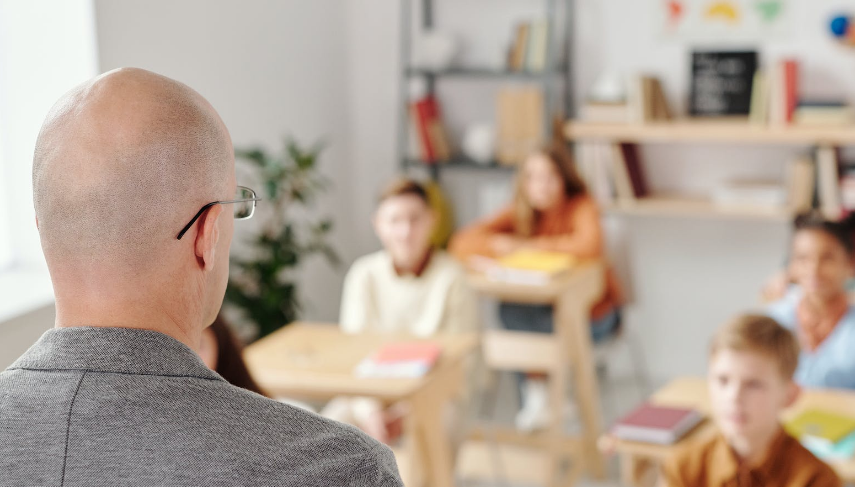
[(421, 110), (791, 87)]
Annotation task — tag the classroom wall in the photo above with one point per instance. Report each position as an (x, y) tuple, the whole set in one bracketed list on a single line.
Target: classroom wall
[(685, 276), (271, 68), (330, 68)]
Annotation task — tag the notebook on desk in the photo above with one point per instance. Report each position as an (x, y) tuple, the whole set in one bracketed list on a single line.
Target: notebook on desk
[(530, 267), (820, 427), (400, 360), (656, 424)]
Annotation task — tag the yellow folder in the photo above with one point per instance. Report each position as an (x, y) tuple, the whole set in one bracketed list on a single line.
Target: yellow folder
[(821, 425)]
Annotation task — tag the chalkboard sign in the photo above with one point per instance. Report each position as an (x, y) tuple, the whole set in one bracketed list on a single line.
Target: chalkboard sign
[(721, 83)]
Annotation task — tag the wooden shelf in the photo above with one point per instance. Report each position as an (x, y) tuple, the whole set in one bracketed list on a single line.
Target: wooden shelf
[(725, 131), (680, 206)]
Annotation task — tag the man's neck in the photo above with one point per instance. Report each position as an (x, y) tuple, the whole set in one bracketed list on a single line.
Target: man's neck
[(71, 312)]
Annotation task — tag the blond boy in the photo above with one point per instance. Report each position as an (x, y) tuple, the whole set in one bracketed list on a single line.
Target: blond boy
[(751, 365)]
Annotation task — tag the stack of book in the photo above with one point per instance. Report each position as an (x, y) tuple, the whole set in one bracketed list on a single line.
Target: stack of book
[(823, 113), (775, 100), (400, 360), (828, 435), (750, 193), (661, 425), (529, 48)]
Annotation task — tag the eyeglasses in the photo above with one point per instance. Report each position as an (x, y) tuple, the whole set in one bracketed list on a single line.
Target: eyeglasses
[(244, 202)]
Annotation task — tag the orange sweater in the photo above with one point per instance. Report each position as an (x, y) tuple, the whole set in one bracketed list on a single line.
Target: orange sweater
[(572, 227)]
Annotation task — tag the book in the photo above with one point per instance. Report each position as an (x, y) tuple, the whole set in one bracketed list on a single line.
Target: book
[(436, 130), (656, 424), (750, 193), (823, 115), (530, 267), (624, 190), (400, 360), (520, 121), (538, 43), (661, 110), (842, 450), (520, 46), (777, 96), (759, 114), (802, 178), (431, 134), (791, 88), (820, 427), (421, 120), (828, 182), (633, 167), (647, 100)]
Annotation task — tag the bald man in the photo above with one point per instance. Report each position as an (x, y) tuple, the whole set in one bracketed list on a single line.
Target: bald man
[(135, 197)]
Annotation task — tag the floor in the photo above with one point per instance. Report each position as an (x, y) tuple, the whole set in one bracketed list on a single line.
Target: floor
[(619, 395)]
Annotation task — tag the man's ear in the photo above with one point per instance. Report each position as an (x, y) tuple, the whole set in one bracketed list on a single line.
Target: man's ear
[(207, 237), (37, 223)]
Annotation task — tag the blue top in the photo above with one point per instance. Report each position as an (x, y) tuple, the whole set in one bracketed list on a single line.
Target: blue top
[(832, 364)]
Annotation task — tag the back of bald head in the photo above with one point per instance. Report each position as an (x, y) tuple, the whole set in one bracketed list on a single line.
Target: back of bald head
[(122, 162)]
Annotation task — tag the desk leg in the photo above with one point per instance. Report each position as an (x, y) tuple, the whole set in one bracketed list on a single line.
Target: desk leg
[(574, 334), (433, 433), (414, 474), (635, 471), (557, 403)]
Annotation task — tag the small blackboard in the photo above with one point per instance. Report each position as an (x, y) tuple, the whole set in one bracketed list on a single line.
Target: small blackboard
[(721, 83)]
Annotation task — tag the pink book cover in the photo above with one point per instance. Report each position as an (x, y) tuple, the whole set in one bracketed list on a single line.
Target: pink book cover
[(656, 417), (424, 352)]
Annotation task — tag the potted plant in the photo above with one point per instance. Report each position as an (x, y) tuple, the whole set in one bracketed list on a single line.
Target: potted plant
[(264, 286)]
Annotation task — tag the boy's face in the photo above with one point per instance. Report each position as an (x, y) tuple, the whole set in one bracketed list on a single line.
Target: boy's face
[(404, 225), (747, 393), (819, 264)]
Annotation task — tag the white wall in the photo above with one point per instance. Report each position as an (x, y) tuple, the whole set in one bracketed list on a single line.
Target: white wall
[(270, 68), (45, 49)]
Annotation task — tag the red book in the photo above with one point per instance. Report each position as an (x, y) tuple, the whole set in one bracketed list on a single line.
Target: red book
[(791, 87), (635, 170), (404, 359), (656, 424), (436, 131), (422, 113)]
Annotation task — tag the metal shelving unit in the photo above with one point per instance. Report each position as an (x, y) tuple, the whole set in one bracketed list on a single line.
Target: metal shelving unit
[(555, 80)]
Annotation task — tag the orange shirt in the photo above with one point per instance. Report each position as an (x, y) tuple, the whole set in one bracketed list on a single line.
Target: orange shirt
[(573, 227), (712, 463)]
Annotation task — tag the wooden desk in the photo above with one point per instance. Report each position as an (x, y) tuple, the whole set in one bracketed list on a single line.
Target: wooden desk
[(317, 361), (567, 348), (638, 460)]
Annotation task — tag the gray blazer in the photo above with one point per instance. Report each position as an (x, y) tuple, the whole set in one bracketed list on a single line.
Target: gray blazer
[(115, 406)]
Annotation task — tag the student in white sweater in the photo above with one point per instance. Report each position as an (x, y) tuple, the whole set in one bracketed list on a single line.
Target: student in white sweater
[(408, 287)]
